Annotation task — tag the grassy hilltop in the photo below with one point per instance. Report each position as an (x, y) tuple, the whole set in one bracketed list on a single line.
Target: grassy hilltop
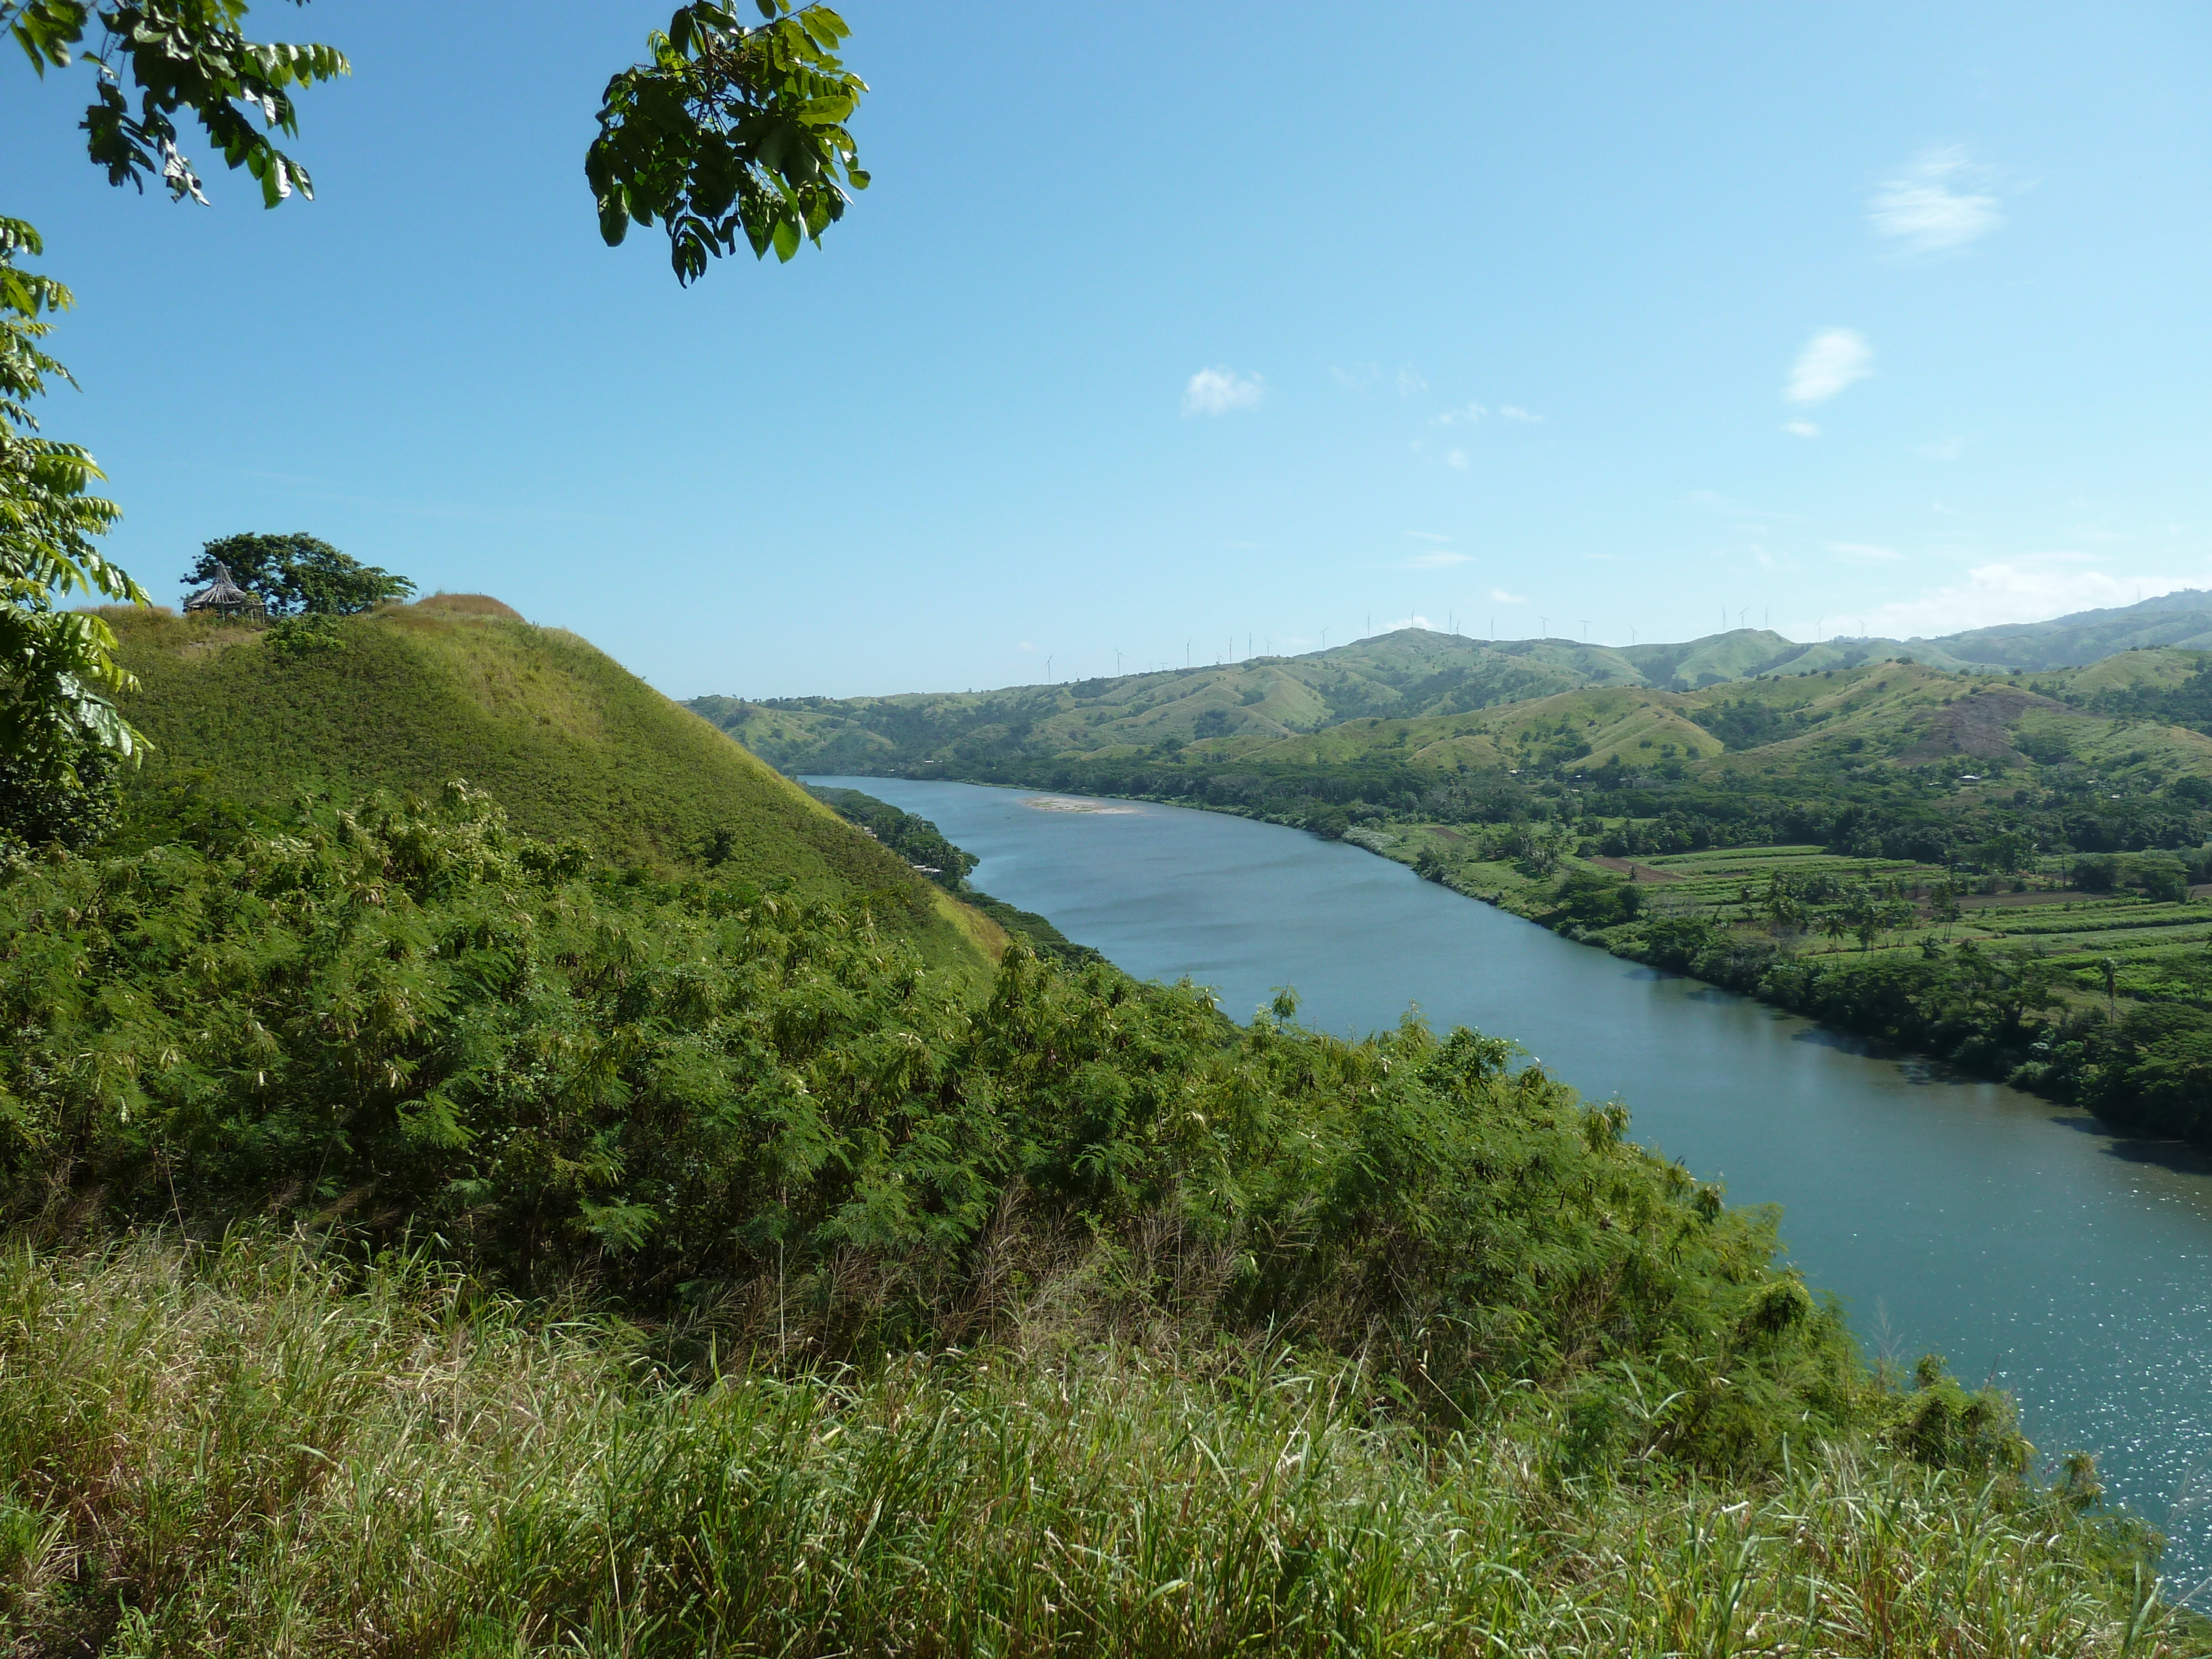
[(573, 746)]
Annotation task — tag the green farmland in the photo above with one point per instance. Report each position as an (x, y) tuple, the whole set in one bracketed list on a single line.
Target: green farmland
[(2088, 978)]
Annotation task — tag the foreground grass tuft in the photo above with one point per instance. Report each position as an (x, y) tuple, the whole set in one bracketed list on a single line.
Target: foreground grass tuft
[(246, 1451)]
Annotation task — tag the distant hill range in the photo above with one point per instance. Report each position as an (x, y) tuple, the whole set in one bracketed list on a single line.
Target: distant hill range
[(1251, 709)]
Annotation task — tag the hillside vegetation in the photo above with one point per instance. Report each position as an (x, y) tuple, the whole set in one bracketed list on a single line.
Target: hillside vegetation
[(1823, 805), (1408, 674), (575, 748), (1243, 1337)]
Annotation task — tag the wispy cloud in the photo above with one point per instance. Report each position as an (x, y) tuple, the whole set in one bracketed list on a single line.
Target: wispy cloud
[(1800, 428), (2027, 587), (1416, 620), (1362, 377), (1864, 550), (1512, 412), (1832, 359), (1219, 390), (1939, 203), (1504, 598), (1464, 416), (1440, 558), (1455, 459), (1410, 383), (1941, 449), (1428, 535)]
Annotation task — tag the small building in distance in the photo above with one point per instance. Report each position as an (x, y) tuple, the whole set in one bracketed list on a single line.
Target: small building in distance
[(222, 596)]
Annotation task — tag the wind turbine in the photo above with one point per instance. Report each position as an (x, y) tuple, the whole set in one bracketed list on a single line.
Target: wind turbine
[(1585, 622)]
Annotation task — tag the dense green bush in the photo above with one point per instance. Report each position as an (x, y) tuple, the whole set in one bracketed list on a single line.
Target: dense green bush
[(768, 1111)]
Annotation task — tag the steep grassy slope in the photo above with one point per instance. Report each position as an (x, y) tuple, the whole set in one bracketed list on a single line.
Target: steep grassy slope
[(572, 746)]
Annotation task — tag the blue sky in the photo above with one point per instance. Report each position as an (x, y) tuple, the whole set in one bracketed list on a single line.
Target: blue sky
[(1163, 330)]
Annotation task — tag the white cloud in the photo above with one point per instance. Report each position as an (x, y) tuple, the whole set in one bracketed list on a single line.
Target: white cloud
[(1219, 390), (1800, 428), (1504, 598), (1427, 536), (1414, 621), (1455, 458), (1410, 382), (1025, 646), (1863, 551), (1360, 377), (1939, 202), (2031, 587), (1941, 449), (1467, 416), (1440, 559), (1830, 361), (1512, 413)]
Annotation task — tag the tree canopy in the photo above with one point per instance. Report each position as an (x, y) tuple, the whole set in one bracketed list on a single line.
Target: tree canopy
[(57, 670), (298, 574)]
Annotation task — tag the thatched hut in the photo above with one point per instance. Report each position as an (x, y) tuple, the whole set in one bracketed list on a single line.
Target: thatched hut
[(224, 597)]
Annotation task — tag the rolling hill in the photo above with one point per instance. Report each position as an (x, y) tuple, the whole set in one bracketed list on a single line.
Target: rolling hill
[(571, 745), (1327, 705)]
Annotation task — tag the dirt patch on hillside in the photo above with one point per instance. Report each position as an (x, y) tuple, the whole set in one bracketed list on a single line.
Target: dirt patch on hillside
[(1635, 872), (2016, 901), (1977, 724)]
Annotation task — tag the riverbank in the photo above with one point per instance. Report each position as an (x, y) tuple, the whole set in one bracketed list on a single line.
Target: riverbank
[(2098, 999)]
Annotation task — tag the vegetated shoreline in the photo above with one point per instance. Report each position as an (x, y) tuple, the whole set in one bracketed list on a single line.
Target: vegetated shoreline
[(620, 1210), (1985, 1015)]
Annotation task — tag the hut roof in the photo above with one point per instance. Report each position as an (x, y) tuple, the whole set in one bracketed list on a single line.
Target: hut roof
[(222, 595)]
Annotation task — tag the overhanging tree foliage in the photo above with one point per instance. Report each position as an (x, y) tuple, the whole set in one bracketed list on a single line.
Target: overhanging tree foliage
[(180, 55), (58, 669), (729, 131)]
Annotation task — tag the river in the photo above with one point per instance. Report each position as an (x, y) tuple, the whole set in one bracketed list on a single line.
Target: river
[(2013, 1237)]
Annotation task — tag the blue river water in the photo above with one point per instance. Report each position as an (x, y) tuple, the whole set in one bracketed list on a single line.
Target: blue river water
[(2016, 1237)]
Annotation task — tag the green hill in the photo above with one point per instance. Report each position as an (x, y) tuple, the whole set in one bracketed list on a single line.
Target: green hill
[(570, 743), (1409, 674)]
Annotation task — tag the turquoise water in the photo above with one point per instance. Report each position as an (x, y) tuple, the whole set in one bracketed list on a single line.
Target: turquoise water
[(2012, 1236)]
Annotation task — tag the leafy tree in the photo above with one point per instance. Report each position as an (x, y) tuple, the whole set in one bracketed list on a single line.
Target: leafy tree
[(730, 131), (299, 575), (58, 669), (74, 806), (182, 55)]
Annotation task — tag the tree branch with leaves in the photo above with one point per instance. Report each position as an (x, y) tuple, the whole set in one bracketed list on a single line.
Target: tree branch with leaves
[(730, 130)]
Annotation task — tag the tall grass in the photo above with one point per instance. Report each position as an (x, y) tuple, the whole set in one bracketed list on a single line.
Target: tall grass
[(244, 1449)]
